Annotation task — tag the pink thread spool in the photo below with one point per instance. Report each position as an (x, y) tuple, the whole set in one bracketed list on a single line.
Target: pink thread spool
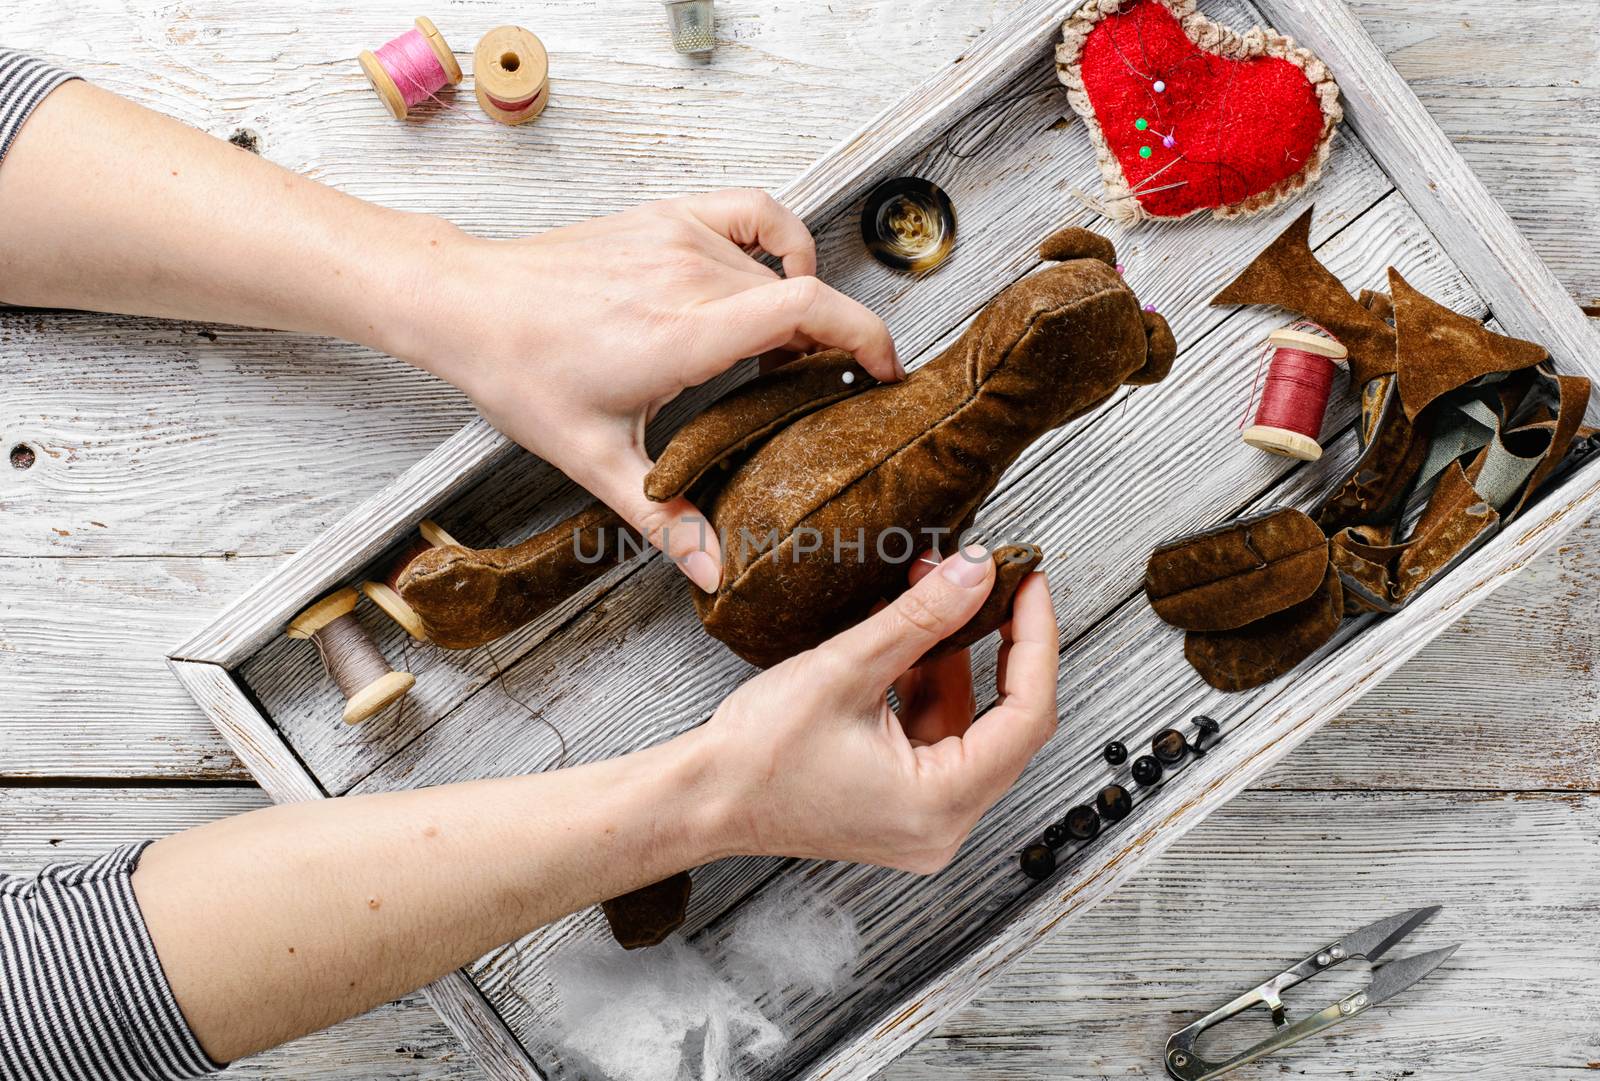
[(412, 68), (1294, 400)]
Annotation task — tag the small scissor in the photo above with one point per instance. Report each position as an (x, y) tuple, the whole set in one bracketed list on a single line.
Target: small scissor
[(1371, 942)]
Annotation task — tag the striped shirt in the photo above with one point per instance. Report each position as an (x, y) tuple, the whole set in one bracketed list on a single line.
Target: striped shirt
[(82, 993), (24, 82)]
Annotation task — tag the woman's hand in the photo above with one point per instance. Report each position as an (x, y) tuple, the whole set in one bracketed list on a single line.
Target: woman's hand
[(811, 761), (569, 342)]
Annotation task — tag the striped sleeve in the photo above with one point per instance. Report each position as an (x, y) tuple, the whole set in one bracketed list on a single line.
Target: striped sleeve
[(24, 82), (82, 993)]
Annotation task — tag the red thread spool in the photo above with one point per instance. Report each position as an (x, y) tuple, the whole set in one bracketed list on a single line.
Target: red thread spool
[(1295, 397), (387, 597)]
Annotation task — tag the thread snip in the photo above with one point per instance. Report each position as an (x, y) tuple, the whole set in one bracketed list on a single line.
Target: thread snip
[(1294, 399), (412, 68)]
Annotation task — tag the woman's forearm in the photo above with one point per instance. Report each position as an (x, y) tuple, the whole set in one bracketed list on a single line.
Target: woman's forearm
[(282, 921), (108, 206)]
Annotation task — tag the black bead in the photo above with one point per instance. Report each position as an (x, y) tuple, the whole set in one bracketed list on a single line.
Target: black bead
[(1038, 861), (1169, 746), (1081, 823), (1116, 752), (1055, 835), (1114, 803), (1146, 770)]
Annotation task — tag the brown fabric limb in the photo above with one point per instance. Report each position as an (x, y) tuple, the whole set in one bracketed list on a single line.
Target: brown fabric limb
[(1012, 564), (1238, 573), (748, 416), (466, 597), (646, 916)]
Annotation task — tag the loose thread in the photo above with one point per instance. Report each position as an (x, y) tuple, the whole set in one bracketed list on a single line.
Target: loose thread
[(953, 134), (505, 689)]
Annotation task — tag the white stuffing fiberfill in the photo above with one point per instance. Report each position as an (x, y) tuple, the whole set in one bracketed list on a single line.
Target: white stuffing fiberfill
[(678, 1011)]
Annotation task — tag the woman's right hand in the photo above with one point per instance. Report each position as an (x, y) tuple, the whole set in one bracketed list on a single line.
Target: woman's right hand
[(809, 760)]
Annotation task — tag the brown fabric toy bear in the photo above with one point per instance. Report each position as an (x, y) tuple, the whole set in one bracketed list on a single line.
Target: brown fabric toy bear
[(805, 470)]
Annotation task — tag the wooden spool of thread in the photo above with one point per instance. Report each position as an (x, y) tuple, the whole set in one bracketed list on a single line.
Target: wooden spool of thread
[(387, 597), (1294, 400), (412, 68), (350, 656), (511, 75)]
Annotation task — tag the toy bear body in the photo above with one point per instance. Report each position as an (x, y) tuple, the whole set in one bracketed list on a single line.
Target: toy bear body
[(856, 489)]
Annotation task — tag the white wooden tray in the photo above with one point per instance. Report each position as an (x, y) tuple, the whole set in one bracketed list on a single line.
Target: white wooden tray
[(624, 664)]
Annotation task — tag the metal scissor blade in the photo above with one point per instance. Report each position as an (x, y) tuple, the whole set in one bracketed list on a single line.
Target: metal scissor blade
[(1394, 977), (1373, 940)]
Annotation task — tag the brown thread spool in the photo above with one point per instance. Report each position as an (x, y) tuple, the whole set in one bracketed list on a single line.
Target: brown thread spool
[(350, 656), (388, 90), (387, 597), (1295, 424), (511, 75)]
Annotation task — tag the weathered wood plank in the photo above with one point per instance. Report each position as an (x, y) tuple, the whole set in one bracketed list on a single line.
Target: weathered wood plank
[(1200, 925), (84, 686)]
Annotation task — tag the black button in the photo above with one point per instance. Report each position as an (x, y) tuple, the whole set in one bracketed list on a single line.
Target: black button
[(1146, 770), (1082, 823), (1208, 734), (1055, 835), (1114, 803), (1038, 861), (1115, 753), (1170, 747)]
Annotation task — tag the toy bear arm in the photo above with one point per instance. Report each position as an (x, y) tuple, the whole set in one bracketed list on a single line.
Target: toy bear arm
[(745, 418)]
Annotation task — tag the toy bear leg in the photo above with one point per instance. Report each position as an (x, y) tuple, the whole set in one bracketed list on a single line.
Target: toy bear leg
[(734, 426), (646, 916), (1013, 563), (467, 596)]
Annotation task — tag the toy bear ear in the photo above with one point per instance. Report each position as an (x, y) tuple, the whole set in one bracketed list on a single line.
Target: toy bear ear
[(1076, 243), (1160, 350)]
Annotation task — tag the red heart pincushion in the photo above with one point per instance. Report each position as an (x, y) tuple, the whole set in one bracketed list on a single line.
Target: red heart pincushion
[(1190, 116)]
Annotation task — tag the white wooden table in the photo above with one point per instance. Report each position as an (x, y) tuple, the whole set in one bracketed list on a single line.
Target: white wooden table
[(175, 463)]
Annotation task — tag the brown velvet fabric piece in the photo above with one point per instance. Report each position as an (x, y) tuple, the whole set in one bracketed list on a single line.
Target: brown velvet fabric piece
[(1238, 573), (752, 413), (1381, 577), (466, 597), (1395, 450), (1573, 398), (802, 516), (650, 913), (1289, 275), (1442, 350), (1239, 660)]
